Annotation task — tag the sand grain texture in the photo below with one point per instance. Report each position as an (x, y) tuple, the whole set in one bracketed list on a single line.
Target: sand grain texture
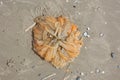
[(101, 16)]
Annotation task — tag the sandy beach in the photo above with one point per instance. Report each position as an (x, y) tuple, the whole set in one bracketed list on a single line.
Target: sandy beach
[(98, 21)]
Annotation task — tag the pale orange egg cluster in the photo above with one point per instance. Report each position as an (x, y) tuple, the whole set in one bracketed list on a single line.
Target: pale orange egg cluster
[(56, 40)]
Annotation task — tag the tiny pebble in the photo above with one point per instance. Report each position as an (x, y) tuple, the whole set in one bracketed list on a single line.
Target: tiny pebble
[(78, 78), (92, 72), (10, 62), (82, 74), (79, 13), (101, 34), (97, 70), (88, 28), (105, 22), (1, 2), (103, 72), (98, 8), (74, 6), (67, 0), (86, 34), (85, 47), (112, 54), (50, 36)]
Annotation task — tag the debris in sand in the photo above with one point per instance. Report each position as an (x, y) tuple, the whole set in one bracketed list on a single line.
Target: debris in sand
[(112, 55), (67, 77), (105, 22), (82, 74), (76, 1), (79, 13), (97, 70), (10, 62), (67, 0), (91, 72), (18, 70), (78, 78), (85, 47), (74, 6), (49, 76), (86, 34), (23, 61), (30, 27), (101, 34), (68, 70), (88, 28), (1, 3), (103, 72)]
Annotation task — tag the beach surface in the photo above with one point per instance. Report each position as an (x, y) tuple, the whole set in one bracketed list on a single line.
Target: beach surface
[(98, 21)]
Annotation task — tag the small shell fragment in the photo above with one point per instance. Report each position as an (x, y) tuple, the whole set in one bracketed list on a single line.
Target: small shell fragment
[(78, 78), (97, 70), (101, 34), (85, 34), (88, 28), (113, 55), (103, 72), (1, 3), (56, 40), (82, 74)]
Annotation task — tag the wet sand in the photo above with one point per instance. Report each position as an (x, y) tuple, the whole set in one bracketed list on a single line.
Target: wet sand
[(98, 20)]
